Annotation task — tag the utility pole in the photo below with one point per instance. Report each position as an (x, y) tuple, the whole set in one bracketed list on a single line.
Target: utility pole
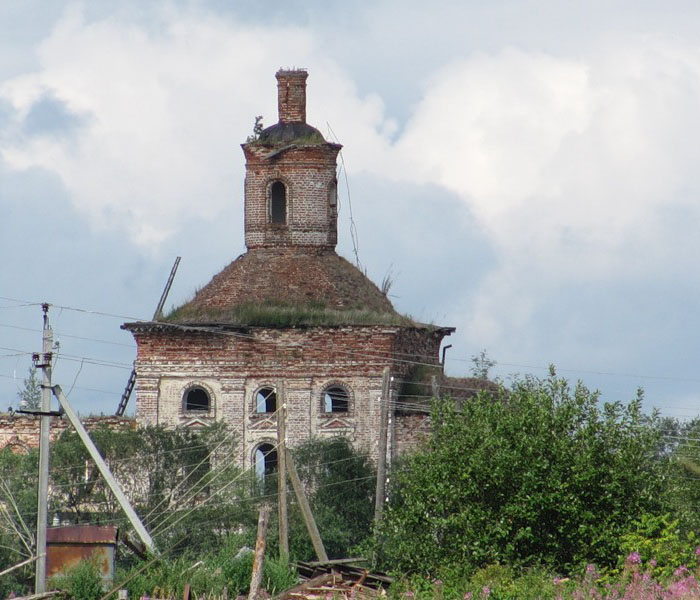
[(309, 520), (44, 363), (381, 453), (282, 471)]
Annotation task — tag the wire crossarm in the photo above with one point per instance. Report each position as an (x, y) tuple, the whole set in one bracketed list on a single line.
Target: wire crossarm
[(104, 469)]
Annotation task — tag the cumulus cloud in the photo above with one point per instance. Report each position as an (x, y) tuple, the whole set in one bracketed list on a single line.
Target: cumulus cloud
[(163, 111), (577, 169)]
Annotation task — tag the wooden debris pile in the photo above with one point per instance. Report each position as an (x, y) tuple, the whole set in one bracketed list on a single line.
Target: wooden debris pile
[(336, 582)]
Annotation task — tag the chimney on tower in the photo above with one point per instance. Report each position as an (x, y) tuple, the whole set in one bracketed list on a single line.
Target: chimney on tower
[(291, 95)]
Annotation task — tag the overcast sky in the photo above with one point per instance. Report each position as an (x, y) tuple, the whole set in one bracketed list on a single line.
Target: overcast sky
[(526, 171)]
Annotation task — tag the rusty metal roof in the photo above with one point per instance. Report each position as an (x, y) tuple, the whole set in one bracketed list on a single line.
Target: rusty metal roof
[(83, 534)]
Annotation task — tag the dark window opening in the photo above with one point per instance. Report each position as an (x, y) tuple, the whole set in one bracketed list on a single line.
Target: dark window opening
[(265, 460), (336, 399), (266, 400), (278, 203), (196, 399)]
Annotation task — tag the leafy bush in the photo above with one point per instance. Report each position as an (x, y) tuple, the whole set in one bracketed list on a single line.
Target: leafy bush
[(339, 482), (541, 475), (82, 582), (658, 543)]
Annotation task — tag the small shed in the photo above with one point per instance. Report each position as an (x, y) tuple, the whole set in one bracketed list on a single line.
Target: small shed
[(69, 545)]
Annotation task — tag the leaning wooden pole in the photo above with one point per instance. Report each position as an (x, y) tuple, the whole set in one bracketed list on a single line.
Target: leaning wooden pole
[(259, 557), (306, 509), (380, 493)]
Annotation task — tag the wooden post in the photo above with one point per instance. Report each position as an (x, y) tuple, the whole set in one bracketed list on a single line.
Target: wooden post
[(435, 387), (380, 493), (306, 510), (259, 558), (282, 472)]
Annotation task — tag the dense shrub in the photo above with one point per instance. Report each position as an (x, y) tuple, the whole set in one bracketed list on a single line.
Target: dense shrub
[(540, 475)]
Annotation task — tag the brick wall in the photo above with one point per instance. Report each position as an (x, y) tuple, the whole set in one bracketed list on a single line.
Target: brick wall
[(21, 432), (291, 95), (308, 174), (232, 367)]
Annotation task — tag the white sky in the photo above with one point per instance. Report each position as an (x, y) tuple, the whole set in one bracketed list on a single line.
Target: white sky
[(525, 170)]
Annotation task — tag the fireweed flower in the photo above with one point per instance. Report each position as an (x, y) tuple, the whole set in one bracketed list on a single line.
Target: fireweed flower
[(634, 558)]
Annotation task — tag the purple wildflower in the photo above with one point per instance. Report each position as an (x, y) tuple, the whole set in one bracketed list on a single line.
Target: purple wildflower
[(680, 571), (634, 558), (486, 591)]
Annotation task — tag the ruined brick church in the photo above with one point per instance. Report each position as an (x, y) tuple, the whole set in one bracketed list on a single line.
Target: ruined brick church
[(290, 314)]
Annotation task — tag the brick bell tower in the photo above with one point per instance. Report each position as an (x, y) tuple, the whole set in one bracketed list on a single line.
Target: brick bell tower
[(289, 311), (290, 183)]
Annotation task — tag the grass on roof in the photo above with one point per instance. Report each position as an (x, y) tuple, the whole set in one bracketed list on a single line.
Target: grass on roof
[(282, 315)]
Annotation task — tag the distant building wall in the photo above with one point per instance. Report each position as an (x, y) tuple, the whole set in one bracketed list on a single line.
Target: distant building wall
[(21, 432)]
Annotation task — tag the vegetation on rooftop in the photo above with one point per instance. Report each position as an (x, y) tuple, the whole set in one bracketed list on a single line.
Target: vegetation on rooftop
[(284, 315)]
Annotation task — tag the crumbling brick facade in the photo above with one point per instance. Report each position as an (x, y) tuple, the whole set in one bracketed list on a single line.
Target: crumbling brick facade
[(21, 432), (210, 360)]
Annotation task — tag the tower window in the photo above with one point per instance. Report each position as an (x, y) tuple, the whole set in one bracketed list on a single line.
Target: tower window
[(196, 399), (278, 203), (265, 400), (336, 399), (333, 200)]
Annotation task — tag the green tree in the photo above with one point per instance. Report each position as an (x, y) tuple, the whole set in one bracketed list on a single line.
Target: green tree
[(30, 395), (481, 365), (542, 474), (339, 481)]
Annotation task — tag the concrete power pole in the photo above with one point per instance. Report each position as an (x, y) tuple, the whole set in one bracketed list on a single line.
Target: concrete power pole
[(42, 496), (380, 493), (282, 471)]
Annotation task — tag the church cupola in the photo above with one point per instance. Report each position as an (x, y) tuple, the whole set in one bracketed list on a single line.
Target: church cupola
[(290, 184)]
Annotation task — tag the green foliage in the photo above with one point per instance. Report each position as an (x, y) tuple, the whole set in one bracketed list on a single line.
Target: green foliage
[(209, 573), (340, 484), (31, 392), (167, 474), (660, 544), (18, 489), (257, 130), (481, 365), (541, 475), (82, 582), (286, 315), (495, 582)]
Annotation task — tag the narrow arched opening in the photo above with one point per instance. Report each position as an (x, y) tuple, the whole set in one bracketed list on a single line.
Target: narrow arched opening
[(278, 203)]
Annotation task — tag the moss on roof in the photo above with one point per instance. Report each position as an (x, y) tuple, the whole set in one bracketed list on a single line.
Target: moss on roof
[(287, 133), (283, 287), (268, 314)]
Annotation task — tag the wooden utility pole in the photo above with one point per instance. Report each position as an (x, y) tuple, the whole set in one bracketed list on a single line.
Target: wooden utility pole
[(380, 493), (434, 387), (306, 510), (43, 490), (282, 471), (259, 557)]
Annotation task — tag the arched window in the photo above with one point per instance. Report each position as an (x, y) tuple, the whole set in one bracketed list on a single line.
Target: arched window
[(196, 399), (333, 200), (336, 399), (265, 458), (278, 203), (265, 400)]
